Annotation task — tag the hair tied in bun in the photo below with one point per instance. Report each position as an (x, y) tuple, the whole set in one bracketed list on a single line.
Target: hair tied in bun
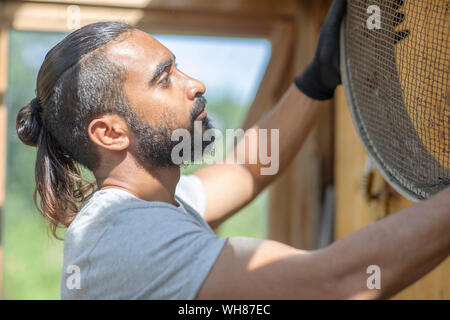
[(36, 109), (29, 123)]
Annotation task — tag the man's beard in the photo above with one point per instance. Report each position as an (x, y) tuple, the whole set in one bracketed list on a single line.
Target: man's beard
[(154, 145)]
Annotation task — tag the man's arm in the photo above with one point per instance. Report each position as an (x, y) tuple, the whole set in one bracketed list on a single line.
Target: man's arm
[(405, 246), (229, 187)]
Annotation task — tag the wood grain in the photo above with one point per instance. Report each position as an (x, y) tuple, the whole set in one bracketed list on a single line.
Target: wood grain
[(354, 212)]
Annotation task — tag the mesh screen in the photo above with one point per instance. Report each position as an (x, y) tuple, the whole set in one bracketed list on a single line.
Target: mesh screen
[(397, 83)]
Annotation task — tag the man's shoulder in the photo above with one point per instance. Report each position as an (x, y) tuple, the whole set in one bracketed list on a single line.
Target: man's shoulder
[(119, 207), (136, 246)]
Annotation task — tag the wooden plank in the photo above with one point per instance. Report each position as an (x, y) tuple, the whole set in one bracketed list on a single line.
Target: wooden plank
[(354, 212), (63, 18), (214, 24), (99, 3), (243, 7), (281, 40), (3, 119), (307, 34), (352, 209), (296, 196)]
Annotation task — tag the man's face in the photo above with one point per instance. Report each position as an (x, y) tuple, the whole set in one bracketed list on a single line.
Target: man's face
[(162, 97)]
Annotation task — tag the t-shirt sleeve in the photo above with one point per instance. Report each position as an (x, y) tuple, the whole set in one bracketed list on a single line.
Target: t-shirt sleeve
[(192, 191), (158, 254)]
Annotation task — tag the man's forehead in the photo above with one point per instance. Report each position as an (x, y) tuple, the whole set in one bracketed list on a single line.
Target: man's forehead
[(138, 47)]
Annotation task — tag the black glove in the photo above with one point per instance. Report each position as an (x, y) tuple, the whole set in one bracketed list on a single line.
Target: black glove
[(322, 75)]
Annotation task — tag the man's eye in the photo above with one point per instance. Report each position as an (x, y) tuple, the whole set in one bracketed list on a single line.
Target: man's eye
[(165, 80)]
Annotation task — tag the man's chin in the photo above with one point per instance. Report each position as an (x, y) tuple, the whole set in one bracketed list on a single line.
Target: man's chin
[(160, 155)]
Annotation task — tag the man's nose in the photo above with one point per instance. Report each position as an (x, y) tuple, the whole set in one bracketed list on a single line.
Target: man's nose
[(195, 89)]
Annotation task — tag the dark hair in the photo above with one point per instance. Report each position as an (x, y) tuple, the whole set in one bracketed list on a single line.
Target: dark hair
[(76, 83)]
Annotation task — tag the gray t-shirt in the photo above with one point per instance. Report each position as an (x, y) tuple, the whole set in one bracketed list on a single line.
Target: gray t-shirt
[(122, 247)]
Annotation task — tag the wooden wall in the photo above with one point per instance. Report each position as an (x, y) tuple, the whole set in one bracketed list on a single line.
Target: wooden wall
[(333, 154), (296, 197), (354, 211)]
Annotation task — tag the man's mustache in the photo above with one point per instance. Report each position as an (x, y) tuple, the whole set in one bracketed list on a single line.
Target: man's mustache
[(199, 105)]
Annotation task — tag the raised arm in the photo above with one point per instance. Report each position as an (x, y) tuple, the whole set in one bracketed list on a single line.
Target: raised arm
[(229, 187), (405, 246)]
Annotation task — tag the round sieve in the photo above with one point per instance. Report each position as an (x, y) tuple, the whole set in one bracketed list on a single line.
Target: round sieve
[(395, 68)]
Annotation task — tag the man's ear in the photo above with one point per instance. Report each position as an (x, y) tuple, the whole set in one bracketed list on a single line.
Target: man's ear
[(110, 132)]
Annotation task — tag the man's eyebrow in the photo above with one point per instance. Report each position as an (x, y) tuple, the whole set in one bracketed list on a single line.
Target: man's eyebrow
[(161, 67)]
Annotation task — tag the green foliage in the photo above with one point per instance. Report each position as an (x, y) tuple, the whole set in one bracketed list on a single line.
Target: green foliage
[(32, 258)]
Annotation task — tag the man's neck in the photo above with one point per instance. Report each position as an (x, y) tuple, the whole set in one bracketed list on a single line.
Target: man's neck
[(150, 184)]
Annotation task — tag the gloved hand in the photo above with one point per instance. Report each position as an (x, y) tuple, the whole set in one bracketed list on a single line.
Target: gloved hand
[(322, 75)]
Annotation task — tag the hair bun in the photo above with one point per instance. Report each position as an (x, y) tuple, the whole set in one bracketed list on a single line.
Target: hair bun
[(29, 123)]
